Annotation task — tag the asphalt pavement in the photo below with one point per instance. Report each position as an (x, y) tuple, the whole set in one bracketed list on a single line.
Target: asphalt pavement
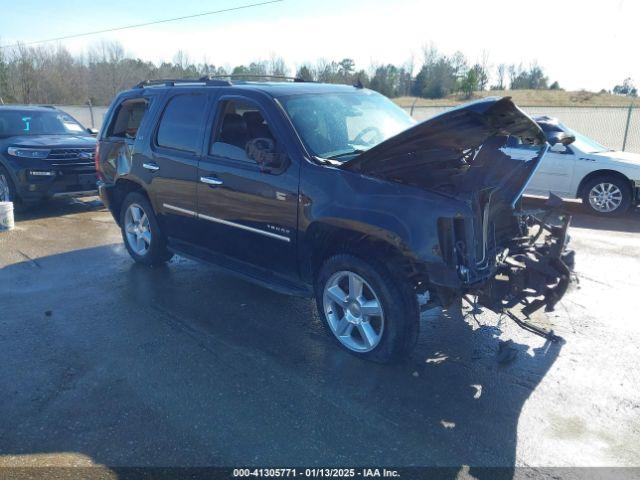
[(105, 362)]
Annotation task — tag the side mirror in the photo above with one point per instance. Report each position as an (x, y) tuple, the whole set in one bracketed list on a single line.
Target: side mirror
[(562, 138), (263, 152), (92, 131), (558, 148)]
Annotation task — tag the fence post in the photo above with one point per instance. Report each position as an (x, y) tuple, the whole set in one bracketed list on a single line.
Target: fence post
[(93, 125), (626, 128), (413, 105)]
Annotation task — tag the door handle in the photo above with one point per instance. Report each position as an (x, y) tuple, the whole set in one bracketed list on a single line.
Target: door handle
[(153, 166), (213, 181)]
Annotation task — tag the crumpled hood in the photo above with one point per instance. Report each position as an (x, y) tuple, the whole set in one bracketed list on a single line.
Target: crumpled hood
[(51, 141), (448, 136)]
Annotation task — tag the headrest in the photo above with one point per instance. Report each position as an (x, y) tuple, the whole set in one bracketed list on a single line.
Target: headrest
[(253, 117)]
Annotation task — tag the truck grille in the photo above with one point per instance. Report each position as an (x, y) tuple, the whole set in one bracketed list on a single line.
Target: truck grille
[(71, 153), (72, 160)]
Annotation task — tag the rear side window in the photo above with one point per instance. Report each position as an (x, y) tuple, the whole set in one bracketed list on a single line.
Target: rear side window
[(181, 121), (127, 121)]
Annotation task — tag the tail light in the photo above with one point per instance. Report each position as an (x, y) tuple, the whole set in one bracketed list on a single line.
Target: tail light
[(96, 159)]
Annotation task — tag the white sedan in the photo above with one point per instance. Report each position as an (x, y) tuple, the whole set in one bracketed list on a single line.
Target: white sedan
[(607, 181)]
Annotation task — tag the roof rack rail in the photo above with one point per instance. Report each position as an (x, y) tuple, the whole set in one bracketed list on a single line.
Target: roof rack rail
[(172, 82), (252, 76)]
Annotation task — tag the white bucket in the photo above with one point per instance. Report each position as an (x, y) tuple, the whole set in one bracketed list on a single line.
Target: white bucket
[(6, 216)]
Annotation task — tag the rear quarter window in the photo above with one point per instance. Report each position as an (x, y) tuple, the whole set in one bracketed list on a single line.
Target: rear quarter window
[(128, 118), (181, 122)]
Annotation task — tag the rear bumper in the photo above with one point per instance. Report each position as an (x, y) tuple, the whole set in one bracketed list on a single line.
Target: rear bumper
[(106, 193)]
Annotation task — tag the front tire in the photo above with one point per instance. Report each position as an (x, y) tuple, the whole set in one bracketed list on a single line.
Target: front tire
[(607, 195), (141, 233), (371, 312)]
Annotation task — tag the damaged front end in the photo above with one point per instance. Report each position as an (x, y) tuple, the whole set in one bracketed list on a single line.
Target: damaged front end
[(534, 272), (512, 260)]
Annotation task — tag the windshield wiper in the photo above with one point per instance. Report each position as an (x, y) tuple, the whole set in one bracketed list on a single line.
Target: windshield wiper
[(345, 154)]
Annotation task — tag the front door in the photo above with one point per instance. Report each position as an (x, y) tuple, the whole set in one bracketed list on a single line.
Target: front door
[(555, 172), (248, 188)]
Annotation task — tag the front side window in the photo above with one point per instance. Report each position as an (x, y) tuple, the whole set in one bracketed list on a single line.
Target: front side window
[(341, 125), (180, 124), (38, 122), (243, 134)]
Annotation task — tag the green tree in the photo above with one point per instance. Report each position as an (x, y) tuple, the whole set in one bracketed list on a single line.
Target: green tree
[(385, 80), (305, 73), (469, 83), (627, 88), (346, 67)]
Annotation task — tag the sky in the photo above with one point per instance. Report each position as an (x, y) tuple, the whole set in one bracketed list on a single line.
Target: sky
[(588, 44)]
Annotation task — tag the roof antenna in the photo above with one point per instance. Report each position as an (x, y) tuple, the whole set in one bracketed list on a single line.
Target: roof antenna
[(358, 84)]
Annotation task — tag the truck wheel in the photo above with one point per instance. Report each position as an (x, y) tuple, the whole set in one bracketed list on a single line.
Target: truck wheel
[(140, 231), (607, 195), (371, 312)]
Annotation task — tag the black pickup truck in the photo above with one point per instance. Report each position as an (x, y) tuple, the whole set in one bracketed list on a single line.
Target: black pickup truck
[(333, 191)]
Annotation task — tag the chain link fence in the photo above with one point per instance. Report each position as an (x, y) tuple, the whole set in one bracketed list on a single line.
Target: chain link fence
[(617, 128)]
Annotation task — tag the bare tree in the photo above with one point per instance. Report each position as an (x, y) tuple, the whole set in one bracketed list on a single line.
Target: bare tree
[(501, 71)]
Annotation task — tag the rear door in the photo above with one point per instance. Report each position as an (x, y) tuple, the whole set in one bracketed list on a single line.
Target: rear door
[(176, 148), (248, 187)]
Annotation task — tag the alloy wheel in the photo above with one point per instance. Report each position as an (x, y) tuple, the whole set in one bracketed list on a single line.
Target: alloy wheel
[(5, 193), (353, 311), (137, 229), (605, 197)]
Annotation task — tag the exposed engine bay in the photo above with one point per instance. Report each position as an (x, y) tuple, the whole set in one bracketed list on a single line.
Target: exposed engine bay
[(534, 272)]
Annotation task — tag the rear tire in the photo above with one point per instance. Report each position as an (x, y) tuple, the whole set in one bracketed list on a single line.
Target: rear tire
[(141, 233), (607, 195), (371, 312)]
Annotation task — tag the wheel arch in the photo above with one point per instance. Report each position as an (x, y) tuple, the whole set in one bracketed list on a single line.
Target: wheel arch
[(121, 189), (326, 238), (600, 173)]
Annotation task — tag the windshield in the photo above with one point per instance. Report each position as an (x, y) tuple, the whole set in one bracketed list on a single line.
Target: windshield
[(587, 145), (341, 125), (582, 143), (36, 122)]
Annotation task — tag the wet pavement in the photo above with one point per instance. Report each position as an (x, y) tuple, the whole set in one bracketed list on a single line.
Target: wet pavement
[(107, 362)]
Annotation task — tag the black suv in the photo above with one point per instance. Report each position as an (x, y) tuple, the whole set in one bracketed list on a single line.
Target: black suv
[(333, 191), (44, 152)]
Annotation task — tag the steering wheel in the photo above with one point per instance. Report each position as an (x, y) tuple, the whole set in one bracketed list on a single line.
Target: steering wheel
[(377, 138)]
